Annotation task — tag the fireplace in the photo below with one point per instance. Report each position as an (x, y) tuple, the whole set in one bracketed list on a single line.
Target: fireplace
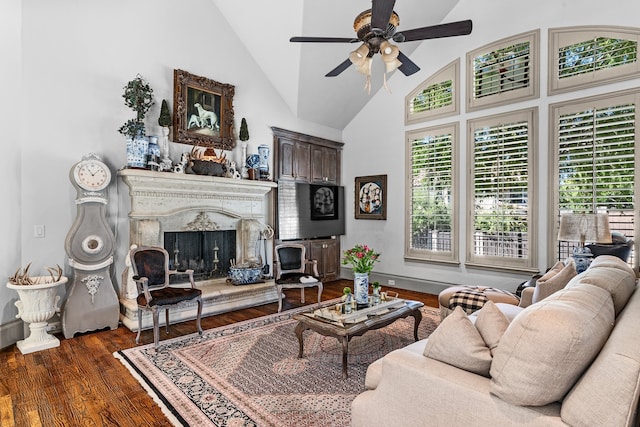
[(191, 216)]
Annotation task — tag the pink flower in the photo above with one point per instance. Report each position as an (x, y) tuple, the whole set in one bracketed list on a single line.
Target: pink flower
[(360, 255)]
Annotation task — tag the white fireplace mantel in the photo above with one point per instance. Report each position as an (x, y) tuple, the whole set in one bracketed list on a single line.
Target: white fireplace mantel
[(172, 202)]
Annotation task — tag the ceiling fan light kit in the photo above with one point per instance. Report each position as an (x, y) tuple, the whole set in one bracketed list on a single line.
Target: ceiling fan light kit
[(374, 27)]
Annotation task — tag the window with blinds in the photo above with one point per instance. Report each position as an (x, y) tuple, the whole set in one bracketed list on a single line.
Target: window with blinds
[(435, 97), (590, 56), (501, 182), (595, 161), (503, 72), (431, 193)]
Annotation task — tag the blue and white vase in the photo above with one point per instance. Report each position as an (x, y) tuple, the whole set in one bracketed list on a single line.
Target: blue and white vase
[(361, 288), (263, 165), (153, 154), (137, 152)]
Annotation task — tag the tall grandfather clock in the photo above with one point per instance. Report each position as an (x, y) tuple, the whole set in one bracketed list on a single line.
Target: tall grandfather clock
[(92, 302)]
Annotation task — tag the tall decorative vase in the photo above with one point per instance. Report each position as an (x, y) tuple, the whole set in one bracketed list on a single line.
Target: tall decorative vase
[(361, 288), (137, 152), (263, 165), (37, 304)]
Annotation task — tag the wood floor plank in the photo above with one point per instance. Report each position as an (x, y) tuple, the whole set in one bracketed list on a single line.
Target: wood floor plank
[(80, 383)]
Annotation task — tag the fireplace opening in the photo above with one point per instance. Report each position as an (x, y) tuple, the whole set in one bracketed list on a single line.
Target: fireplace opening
[(207, 253)]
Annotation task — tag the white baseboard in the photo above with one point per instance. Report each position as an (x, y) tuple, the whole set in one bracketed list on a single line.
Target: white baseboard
[(11, 332), (401, 282)]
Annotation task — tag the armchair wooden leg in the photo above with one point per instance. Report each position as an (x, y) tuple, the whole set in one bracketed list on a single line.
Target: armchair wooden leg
[(156, 328), (139, 326), (198, 325), (302, 295), (320, 288), (279, 290), (166, 319)]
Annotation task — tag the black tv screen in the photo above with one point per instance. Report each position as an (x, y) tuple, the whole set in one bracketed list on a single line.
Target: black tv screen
[(307, 211)]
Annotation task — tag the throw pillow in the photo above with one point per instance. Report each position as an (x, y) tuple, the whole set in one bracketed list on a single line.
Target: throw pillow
[(612, 274), (457, 342), (548, 345), (554, 280), (491, 323)]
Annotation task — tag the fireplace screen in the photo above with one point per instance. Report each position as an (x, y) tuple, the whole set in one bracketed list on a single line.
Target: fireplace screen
[(207, 253)]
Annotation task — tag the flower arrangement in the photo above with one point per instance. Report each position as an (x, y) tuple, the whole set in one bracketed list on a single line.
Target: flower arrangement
[(361, 257)]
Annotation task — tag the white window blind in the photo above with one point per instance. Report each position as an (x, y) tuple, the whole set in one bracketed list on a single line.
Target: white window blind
[(435, 97), (503, 72), (431, 191), (501, 182), (596, 152), (581, 57)]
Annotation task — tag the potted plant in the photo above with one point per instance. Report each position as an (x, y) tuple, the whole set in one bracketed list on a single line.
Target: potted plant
[(362, 258), (38, 303), (138, 96)]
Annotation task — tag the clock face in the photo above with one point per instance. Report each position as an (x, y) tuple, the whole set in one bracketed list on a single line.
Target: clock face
[(92, 175)]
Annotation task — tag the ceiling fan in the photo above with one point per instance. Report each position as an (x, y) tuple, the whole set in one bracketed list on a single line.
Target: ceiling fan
[(374, 28)]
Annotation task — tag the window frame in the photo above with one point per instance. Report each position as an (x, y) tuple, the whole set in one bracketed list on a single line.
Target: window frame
[(529, 263), (451, 72), (556, 110), (532, 91), (566, 36), (413, 254)]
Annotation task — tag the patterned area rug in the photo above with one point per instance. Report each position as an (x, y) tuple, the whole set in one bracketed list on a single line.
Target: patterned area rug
[(249, 373)]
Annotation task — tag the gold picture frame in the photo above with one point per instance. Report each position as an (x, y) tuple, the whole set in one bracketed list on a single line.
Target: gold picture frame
[(371, 197), (202, 111)]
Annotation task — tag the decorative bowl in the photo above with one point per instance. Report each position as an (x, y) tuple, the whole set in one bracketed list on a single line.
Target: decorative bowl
[(244, 275)]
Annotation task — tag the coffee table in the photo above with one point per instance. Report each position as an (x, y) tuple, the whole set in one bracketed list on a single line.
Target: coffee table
[(343, 328)]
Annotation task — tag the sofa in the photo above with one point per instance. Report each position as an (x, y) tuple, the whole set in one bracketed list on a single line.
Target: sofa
[(570, 358)]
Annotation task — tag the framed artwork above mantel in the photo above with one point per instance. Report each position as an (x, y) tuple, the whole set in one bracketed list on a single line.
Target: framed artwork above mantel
[(202, 111)]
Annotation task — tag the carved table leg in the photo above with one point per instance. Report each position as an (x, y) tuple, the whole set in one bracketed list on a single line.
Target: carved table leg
[(300, 327), (417, 315), (345, 351)]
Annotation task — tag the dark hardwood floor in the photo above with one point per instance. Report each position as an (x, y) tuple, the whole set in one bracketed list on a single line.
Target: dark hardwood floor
[(80, 383)]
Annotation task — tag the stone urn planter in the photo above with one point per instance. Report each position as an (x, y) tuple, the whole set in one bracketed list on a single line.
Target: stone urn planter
[(38, 303)]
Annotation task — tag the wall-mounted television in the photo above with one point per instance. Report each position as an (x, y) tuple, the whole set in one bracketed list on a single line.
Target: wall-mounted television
[(307, 211)]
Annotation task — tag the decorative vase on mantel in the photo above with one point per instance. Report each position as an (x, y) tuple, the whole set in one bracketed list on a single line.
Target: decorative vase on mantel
[(137, 149), (38, 303), (361, 289)]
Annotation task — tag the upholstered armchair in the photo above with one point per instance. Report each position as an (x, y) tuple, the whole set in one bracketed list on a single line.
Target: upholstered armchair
[(291, 265), (152, 274)]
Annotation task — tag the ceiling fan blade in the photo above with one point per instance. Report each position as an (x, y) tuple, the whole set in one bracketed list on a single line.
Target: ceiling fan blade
[(380, 13), (340, 68), (323, 40), (459, 28), (408, 67)]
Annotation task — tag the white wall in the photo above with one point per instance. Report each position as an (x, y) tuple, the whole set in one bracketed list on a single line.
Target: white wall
[(75, 58), (375, 139), (10, 75)]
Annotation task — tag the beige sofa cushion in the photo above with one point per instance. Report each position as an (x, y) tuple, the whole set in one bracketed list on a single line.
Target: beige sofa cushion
[(554, 279), (491, 323), (457, 342), (610, 273), (549, 344)]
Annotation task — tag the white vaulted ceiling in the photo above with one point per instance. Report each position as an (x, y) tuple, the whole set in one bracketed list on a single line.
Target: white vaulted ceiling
[(297, 70)]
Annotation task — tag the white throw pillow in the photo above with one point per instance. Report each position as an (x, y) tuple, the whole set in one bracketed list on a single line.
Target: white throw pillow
[(549, 344), (457, 342), (554, 280), (491, 323)]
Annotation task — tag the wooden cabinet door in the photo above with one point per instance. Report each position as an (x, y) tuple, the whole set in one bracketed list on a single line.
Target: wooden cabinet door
[(293, 160), (302, 169), (326, 252), (286, 161), (324, 165)]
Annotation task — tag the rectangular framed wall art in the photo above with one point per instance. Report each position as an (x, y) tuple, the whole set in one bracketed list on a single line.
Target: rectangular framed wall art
[(202, 111), (371, 197)]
